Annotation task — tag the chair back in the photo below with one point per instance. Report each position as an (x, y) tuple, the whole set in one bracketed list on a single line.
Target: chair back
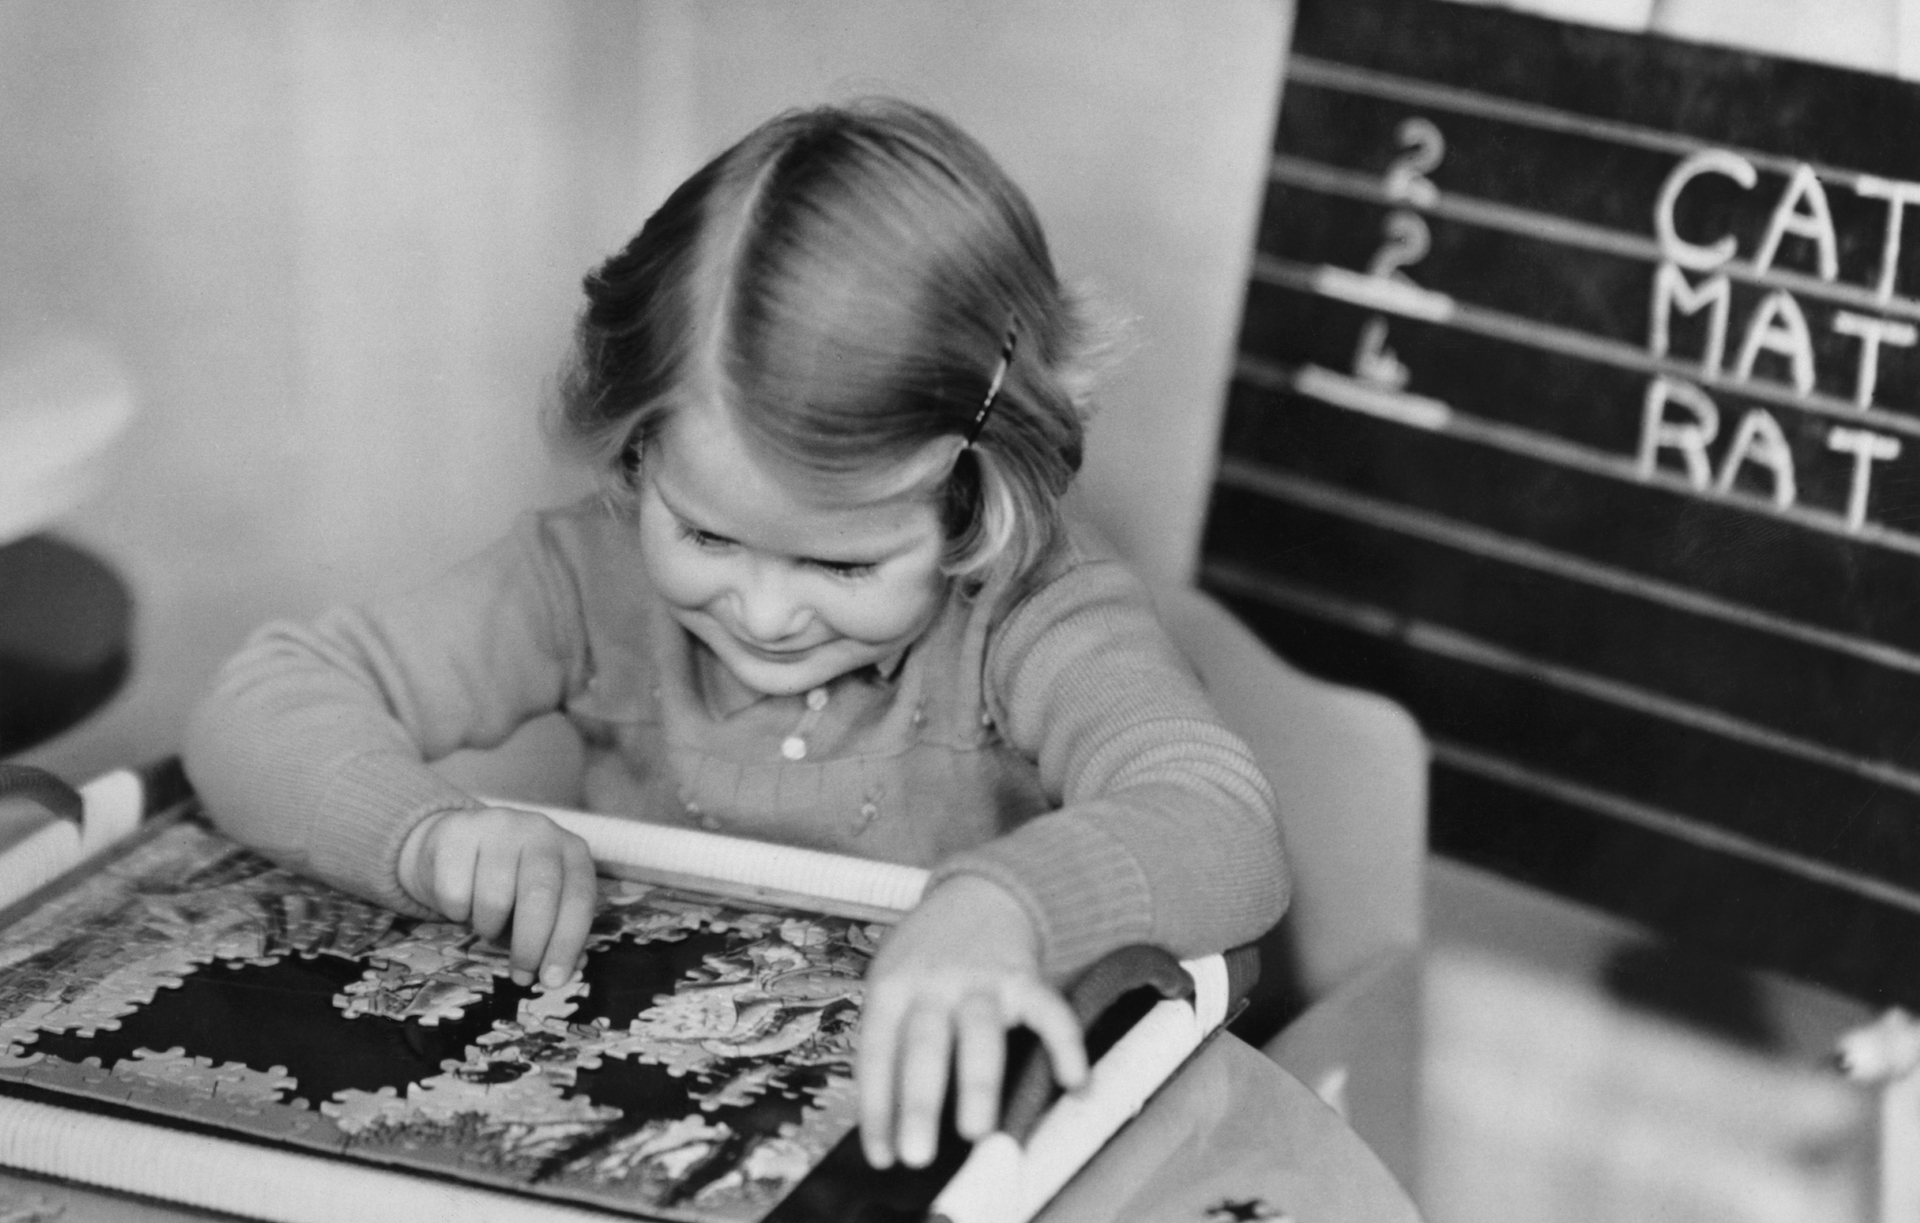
[(1350, 771)]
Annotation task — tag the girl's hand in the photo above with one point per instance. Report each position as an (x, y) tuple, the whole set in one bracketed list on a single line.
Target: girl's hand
[(947, 984), (496, 867)]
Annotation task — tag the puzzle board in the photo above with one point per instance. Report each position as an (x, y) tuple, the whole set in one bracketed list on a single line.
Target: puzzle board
[(699, 1070)]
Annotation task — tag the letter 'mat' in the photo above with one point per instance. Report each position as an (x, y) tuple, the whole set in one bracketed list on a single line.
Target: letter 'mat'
[(1872, 333), (1671, 291), (1779, 327)]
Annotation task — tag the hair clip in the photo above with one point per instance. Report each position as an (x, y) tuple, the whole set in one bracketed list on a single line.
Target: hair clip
[(993, 388)]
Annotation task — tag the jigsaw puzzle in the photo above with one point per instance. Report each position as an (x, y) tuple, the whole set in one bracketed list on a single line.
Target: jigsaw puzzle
[(699, 1069)]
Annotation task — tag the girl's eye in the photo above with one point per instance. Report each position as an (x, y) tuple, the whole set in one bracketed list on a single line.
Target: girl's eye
[(846, 570), (704, 540)]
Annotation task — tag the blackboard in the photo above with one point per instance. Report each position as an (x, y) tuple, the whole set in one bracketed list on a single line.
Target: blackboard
[(1577, 406)]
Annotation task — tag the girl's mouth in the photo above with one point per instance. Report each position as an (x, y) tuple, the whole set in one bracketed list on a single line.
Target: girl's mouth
[(765, 654)]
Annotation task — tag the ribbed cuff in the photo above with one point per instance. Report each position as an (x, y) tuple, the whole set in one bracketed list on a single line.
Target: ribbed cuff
[(1084, 892), (372, 805)]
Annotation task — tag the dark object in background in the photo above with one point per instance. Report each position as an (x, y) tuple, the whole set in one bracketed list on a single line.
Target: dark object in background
[(54, 797), (65, 621)]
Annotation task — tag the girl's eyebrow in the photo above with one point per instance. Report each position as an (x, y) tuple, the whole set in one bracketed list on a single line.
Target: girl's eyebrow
[(830, 561)]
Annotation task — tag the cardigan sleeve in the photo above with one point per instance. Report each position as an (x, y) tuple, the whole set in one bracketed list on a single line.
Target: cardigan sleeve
[(1165, 830), (312, 745)]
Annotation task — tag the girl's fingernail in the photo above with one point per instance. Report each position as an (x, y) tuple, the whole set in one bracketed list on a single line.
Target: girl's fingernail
[(554, 977), (916, 1152), (522, 977)]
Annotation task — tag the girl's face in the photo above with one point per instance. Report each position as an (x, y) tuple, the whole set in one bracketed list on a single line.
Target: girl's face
[(787, 591)]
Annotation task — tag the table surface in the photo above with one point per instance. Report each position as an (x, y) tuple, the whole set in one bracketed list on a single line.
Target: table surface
[(1232, 1137)]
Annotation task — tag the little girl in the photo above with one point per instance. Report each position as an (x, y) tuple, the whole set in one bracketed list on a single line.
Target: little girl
[(827, 599)]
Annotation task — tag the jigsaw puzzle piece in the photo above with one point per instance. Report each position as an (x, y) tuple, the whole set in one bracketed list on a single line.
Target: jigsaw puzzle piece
[(354, 1110), (232, 1083), (442, 998), (86, 1078), (545, 1006)]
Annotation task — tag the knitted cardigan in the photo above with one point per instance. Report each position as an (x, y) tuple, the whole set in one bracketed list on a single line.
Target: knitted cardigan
[(1058, 747)]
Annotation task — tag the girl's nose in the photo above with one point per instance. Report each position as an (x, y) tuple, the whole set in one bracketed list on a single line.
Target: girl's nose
[(766, 609)]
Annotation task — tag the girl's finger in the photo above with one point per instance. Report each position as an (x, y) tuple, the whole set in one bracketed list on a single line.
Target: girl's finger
[(980, 1059), (1046, 1013), (924, 1056), (536, 904), (495, 884), (575, 919), (874, 1063), (452, 867)]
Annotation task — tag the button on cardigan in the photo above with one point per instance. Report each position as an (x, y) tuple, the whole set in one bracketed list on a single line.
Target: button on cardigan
[(1057, 746)]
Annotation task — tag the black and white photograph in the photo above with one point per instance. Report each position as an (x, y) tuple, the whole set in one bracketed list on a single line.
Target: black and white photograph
[(960, 611)]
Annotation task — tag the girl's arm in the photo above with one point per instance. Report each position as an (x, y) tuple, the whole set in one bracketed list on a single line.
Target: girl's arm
[(1166, 834), (1166, 831), (312, 745)]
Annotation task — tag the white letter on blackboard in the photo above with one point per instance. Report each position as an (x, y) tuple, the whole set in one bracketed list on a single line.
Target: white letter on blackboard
[(1424, 149), (1672, 245), (1815, 223), (1779, 327), (1690, 439), (1865, 447), (1759, 440), (1872, 332), (1671, 291), (1898, 195)]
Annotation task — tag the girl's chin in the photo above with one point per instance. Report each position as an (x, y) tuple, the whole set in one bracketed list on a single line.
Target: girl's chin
[(773, 677)]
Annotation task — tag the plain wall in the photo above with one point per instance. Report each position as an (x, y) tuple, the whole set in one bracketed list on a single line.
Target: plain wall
[(335, 248), (1869, 35)]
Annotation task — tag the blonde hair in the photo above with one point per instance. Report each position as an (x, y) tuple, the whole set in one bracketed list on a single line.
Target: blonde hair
[(843, 280)]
